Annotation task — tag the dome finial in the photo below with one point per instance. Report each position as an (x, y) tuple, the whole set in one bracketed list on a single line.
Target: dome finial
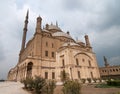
[(51, 23), (56, 23)]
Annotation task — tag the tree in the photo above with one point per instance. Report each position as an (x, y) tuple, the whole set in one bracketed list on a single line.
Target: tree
[(64, 76)]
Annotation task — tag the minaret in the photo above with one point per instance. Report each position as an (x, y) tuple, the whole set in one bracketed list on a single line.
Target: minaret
[(24, 31), (38, 25), (106, 62), (87, 41)]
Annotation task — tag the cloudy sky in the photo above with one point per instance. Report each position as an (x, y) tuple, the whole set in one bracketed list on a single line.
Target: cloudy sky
[(100, 19)]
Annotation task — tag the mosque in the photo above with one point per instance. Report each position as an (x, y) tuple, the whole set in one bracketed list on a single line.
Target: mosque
[(51, 51)]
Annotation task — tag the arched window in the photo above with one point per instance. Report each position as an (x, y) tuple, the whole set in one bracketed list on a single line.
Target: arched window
[(46, 53), (53, 75), (83, 60), (46, 75), (78, 74), (116, 69), (77, 63), (53, 55), (46, 44), (91, 74), (63, 63), (89, 63), (52, 45), (29, 69)]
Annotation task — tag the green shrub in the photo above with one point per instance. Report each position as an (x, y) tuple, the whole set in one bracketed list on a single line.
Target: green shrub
[(89, 80), (28, 83), (113, 83), (25, 83), (39, 83), (50, 86), (83, 80), (71, 87)]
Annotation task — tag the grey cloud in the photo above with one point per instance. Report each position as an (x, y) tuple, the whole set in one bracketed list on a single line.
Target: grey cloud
[(98, 19), (114, 60), (108, 52), (2, 57), (107, 17), (72, 4)]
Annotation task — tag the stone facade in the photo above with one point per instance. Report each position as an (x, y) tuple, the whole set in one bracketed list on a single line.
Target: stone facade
[(109, 72), (51, 51)]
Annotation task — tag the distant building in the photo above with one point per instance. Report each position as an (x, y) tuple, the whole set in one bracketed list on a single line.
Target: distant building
[(51, 51), (109, 72)]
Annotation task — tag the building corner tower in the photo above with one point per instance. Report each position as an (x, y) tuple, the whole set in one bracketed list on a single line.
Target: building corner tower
[(38, 25), (88, 43)]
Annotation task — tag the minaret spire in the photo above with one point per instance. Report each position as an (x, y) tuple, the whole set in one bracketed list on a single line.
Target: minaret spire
[(25, 31)]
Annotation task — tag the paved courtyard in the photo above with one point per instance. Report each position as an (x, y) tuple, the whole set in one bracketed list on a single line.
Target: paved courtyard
[(16, 88), (12, 88), (90, 89)]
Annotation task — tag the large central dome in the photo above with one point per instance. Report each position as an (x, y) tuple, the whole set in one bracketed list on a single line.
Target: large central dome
[(54, 27), (61, 34)]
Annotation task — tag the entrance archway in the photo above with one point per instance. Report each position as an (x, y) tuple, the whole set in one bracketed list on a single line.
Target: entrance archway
[(29, 69)]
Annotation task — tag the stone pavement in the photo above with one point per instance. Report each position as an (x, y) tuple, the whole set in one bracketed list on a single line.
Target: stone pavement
[(16, 88), (12, 88), (90, 89)]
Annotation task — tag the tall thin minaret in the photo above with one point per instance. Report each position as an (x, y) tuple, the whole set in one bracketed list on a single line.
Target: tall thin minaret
[(106, 62), (87, 41), (24, 31)]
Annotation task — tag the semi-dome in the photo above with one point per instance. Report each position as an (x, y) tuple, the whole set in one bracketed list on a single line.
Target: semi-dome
[(45, 30), (78, 41), (61, 34)]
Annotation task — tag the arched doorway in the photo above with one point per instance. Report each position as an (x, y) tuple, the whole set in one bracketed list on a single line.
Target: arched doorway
[(29, 69)]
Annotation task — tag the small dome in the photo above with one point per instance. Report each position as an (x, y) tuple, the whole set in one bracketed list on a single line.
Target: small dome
[(60, 34), (71, 44)]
